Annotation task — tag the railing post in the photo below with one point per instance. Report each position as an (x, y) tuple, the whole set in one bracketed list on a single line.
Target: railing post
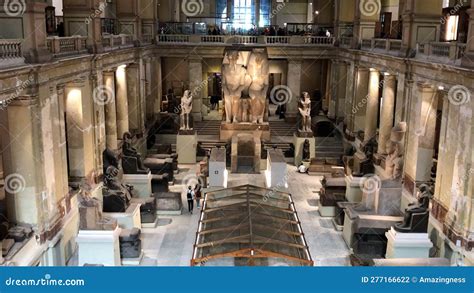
[(56, 47), (452, 50)]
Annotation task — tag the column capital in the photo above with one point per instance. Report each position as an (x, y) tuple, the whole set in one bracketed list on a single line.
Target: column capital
[(390, 77), (424, 85), (374, 70)]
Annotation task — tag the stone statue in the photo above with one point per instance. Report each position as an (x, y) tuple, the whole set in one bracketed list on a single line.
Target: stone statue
[(395, 151), (306, 150), (258, 70), (109, 158), (234, 81), (116, 196), (186, 108), (417, 214), (131, 152), (245, 110), (305, 111)]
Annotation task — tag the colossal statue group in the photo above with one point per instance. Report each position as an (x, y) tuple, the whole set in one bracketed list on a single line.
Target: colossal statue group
[(242, 72)]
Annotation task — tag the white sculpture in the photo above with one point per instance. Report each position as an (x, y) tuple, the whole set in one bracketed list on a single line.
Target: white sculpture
[(305, 111), (234, 81), (258, 71), (186, 108)]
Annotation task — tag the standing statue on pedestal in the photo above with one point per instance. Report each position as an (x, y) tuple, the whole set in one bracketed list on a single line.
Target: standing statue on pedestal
[(186, 108), (395, 151), (234, 81), (305, 111), (258, 70)]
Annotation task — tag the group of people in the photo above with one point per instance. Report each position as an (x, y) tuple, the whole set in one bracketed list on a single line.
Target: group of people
[(194, 195)]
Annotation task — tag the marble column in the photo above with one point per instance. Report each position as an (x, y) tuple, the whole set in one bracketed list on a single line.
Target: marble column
[(341, 90), (121, 101), (110, 111), (468, 59), (75, 130), (349, 96), (157, 86), (195, 86), (372, 105), (332, 103), (361, 93), (151, 89), (133, 95), (388, 107), (34, 46)]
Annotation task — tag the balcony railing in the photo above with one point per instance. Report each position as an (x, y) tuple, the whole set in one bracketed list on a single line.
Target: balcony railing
[(11, 53), (345, 42), (386, 46), (62, 46), (442, 51), (115, 42), (237, 39)]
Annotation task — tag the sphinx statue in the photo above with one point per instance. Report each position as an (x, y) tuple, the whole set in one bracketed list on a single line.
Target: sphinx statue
[(305, 112), (186, 108), (258, 70), (417, 214), (234, 81)]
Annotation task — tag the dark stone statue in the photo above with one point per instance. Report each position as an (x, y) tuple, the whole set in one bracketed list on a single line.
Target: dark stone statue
[(130, 243), (116, 196), (417, 214), (109, 158), (306, 150), (131, 162)]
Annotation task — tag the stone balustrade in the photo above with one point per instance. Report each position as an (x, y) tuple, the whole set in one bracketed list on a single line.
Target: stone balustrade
[(61, 46), (11, 53), (387, 46), (449, 52), (236, 39), (115, 42), (345, 42)]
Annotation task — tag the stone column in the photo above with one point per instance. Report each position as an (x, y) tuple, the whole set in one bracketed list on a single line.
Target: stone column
[(359, 107), (366, 14), (388, 107), (468, 59), (332, 103), (349, 96), (133, 94), (372, 105), (195, 86), (421, 23), (121, 101), (341, 90), (34, 45), (157, 88), (110, 111), (151, 89), (23, 168), (294, 85)]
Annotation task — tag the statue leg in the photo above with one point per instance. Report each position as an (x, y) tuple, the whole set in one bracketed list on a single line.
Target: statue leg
[(235, 109), (228, 109), (182, 122)]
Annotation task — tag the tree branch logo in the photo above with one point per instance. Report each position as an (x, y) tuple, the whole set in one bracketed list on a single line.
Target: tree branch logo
[(14, 7), (192, 7), (103, 95), (370, 7), (370, 183), (459, 95), (15, 183)]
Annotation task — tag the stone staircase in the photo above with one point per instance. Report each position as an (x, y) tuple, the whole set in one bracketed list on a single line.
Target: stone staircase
[(208, 127), (280, 128), (329, 147)]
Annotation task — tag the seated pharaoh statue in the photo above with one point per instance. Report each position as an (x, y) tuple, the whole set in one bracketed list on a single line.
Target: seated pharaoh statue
[(131, 161), (417, 214), (116, 196)]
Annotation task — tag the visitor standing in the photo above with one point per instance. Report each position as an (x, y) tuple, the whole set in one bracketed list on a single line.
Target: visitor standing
[(197, 195), (190, 196)]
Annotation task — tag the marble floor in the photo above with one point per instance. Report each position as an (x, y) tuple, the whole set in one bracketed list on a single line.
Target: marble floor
[(171, 242)]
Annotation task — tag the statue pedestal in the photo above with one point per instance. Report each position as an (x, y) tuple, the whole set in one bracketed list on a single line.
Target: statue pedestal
[(408, 245), (217, 168), (228, 130), (141, 183), (130, 219), (353, 188), (276, 174), (169, 203), (298, 141), (99, 247), (186, 146)]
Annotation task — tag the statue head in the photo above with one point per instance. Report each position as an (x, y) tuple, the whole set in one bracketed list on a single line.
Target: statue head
[(127, 136), (306, 95), (233, 57)]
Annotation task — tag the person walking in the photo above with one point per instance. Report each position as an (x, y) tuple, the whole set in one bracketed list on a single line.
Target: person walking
[(190, 196), (197, 195)]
